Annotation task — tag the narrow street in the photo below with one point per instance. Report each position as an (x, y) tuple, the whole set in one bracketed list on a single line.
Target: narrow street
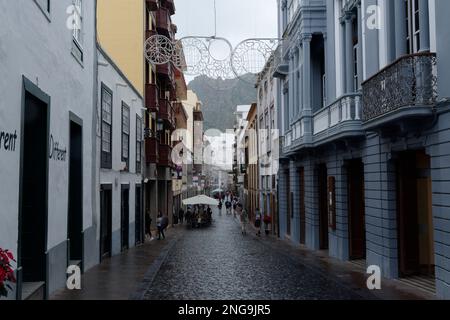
[(219, 263)]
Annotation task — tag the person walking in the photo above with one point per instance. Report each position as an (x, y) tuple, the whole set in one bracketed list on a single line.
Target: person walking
[(220, 207), (148, 225), (244, 220), (181, 215), (258, 218), (159, 223)]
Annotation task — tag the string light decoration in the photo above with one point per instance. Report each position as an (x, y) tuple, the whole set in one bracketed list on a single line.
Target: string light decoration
[(193, 55)]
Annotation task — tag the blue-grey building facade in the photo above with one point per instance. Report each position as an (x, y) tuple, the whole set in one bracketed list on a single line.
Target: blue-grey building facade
[(363, 108)]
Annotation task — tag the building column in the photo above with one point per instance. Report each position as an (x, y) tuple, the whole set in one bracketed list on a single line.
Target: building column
[(424, 26), (360, 48), (325, 83), (306, 44), (400, 28), (295, 93), (349, 63), (342, 58), (330, 63), (291, 89), (300, 78)]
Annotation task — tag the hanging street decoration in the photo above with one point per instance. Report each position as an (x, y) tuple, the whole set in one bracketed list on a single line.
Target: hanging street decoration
[(195, 56)]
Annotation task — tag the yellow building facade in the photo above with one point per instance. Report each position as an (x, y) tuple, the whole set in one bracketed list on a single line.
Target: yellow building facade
[(121, 28)]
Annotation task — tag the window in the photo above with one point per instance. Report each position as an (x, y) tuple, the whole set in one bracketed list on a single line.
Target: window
[(355, 67), (292, 9), (355, 51), (106, 145), (412, 26), (139, 140), (126, 134), (77, 48)]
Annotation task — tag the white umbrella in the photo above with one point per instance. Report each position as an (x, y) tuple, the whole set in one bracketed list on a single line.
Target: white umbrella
[(217, 191), (202, 199)]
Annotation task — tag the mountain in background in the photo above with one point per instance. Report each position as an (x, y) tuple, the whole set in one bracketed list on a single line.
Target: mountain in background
[(220, 98)]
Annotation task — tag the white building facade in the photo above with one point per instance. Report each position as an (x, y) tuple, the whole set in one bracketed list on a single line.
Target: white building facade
[(120, 149), (47, 153)]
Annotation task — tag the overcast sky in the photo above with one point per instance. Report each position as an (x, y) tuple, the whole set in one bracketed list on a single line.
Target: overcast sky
[(236, 19)]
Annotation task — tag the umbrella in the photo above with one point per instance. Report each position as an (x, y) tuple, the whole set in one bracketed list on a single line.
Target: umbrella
[(217, 191), (201, 200)]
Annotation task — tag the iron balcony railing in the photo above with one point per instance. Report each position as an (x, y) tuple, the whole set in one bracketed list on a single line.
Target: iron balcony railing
[(410, 81)]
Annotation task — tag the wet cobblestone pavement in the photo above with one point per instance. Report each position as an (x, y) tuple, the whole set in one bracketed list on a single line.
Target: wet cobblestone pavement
[(217, 263)]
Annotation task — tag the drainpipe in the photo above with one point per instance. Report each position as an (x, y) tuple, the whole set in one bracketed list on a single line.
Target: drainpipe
[(96, 173)]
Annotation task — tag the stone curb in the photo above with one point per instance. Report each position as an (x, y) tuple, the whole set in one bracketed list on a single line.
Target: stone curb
[(153, 270)]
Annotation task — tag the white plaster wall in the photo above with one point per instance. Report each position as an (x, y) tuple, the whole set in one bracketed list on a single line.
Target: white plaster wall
[(110, 77), (40, 49)]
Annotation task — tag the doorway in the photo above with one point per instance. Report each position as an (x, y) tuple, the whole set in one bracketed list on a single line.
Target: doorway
[(289, 204), (356, 210), (323, 206), (75, 212), (34, 189), (125, 218), (414, 214), (139, 217), (105, 221), (301, 174)]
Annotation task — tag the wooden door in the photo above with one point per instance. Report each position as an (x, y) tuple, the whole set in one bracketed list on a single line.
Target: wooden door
[(105, 222), (302, 206), (407, 215), (323, 206), (125, 218), (289, 204)]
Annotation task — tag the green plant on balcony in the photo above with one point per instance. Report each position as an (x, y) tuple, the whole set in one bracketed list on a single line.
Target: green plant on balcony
[(6, 272)]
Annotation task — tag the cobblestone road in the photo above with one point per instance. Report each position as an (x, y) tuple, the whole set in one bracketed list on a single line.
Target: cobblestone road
[(219, 263)]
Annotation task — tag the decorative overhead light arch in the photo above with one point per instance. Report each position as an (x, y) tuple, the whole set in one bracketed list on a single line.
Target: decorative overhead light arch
[(193, 55)]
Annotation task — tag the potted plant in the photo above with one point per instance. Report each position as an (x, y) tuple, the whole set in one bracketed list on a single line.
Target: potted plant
[(267, 222), (6, 272)]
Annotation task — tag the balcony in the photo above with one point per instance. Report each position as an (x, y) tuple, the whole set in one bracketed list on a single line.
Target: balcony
[(150, 33), (406, 90), (281, 67), (151, 97), (165, 71), (165, 155), (166, 112), (163, 23), (151, 147), (169, 5), (341, 119), (152, 5)]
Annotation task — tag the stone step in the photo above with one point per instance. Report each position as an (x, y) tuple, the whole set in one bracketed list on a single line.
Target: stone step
[(33, 291)]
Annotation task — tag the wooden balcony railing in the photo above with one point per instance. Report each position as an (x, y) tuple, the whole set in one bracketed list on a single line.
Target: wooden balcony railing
[(166, 71), (152, 5), (166, 112), (169, 5), (151, 148), (151, 97), (163, 23), (165, 155)]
